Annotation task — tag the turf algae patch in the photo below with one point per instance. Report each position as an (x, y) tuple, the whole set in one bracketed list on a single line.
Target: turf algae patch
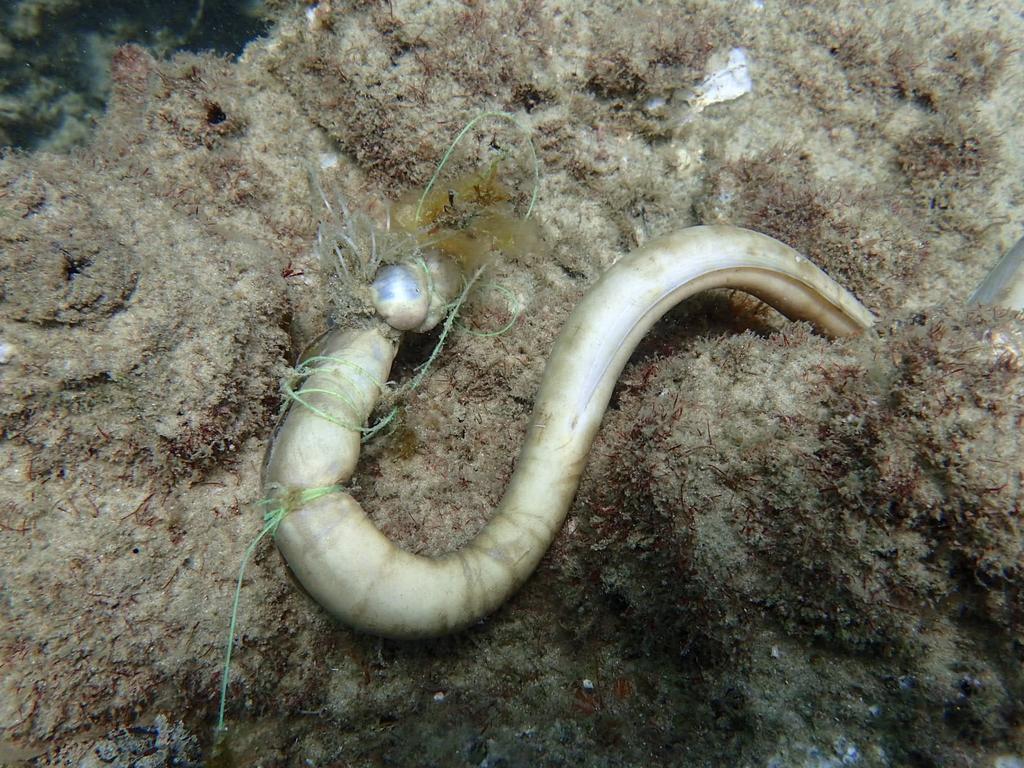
[(870, 507), (144, 328), (727, 679)]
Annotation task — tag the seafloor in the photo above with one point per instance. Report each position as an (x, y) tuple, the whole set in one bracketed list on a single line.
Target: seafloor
[(785, 551)]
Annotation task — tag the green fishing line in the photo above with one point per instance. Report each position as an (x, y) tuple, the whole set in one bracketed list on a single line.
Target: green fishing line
[(271, 520), (449, 321), (514, 306), (321, 363), (451, 148)]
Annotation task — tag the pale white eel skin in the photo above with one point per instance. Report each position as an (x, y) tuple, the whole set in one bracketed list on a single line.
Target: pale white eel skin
[(367, 582), (1004, 285)]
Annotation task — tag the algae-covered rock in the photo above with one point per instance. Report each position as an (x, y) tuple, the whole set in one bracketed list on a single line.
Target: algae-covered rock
[(785, 551)]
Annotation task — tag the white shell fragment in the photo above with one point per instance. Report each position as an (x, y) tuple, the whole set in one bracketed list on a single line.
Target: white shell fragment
[(726, 84), (399, 294)]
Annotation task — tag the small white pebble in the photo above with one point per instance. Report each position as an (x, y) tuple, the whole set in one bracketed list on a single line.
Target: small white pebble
[(588, 684), (683, 159), (655, 104), (7, 352), (1007, 349), (439, 696)]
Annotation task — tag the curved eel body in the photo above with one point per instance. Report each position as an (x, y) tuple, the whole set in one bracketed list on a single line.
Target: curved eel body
[(367, 582)]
